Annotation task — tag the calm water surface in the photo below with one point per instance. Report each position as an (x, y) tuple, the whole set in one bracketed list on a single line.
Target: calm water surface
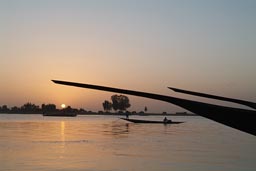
[(106, 143)]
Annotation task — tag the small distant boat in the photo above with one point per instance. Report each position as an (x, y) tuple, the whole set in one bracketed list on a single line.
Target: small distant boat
[(151, 122), (59, 114)]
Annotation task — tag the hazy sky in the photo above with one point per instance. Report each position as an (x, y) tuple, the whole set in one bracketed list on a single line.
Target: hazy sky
[(145, 45)]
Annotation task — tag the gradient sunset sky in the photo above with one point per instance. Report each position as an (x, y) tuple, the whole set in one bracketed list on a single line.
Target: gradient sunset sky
[(145, 45)]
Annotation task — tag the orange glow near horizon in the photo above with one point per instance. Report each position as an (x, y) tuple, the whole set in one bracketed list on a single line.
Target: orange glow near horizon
[(131, 48)]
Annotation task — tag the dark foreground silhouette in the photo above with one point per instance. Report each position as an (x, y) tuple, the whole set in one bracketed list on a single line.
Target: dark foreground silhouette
[(240, 119), (238, 101)]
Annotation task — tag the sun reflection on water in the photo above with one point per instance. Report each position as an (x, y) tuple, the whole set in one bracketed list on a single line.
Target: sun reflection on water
[(62, 128), (62, 139)]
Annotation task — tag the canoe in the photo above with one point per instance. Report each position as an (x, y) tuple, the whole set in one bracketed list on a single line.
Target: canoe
[(150, 122)]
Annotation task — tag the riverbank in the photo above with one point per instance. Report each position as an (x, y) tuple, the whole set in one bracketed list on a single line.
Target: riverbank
[(118, 114)]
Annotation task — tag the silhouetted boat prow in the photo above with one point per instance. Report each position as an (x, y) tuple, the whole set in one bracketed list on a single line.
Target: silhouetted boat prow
[(151, 122), (241, 119)]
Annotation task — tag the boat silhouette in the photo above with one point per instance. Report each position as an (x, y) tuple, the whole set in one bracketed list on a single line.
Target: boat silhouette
[(151, 122), (241, 119), (60, 114)]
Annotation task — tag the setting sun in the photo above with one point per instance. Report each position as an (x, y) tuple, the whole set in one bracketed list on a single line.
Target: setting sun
[(63, 105)]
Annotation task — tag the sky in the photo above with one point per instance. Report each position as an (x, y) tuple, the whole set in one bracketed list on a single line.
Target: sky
[(145, 45)]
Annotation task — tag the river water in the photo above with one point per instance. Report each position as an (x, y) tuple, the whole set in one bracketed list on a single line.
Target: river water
[(106, 143)]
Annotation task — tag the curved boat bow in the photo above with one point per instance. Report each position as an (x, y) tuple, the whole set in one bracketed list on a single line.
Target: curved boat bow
[(240, 119)]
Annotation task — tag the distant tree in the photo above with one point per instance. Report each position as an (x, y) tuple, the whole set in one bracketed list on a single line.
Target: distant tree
[(120, 102), (81, 110), (69, 109), (43, 107), (15, 109), (48, 107), (29, 107), (107, 106), (100, 112), (4, 109)]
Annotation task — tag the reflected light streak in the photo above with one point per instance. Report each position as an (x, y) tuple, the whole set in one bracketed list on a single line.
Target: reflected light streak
[(62, 134), (62, 129)]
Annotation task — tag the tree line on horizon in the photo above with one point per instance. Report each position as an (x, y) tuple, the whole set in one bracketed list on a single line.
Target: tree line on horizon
[(119, 103), (32, 108)]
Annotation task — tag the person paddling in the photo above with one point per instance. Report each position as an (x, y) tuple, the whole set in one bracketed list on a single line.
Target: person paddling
[(166, 120)]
